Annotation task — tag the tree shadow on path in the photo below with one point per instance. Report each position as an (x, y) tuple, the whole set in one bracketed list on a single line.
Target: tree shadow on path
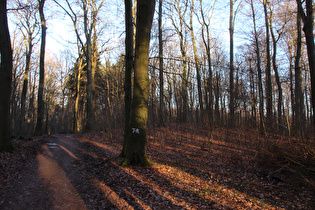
[(98, 181)]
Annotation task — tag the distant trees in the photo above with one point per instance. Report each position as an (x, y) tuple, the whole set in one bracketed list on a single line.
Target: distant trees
[(90, 10), (193, 77), (5, 79)]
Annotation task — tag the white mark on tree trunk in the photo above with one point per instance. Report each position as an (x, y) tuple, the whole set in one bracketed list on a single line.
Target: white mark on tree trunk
[(135, 130)]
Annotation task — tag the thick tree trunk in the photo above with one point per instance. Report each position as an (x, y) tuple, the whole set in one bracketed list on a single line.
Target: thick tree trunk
[(135, 153), (308, 31), (40, 101), (128, 71), (88, 53), (5, 79)]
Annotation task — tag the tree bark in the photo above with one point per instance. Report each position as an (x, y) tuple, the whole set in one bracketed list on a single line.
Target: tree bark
[(268, 70), (192, 34), (76, 117), (88, 54), (299, 118), (25, 85), (232, 93), (206, 40), (161, 111), (40, 101), (136, 146), (5, 79), (128, 71), (308, 31)]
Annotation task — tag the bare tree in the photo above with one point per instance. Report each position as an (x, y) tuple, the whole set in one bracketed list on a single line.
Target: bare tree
[(274, 64), (128, 70), (180, 29), (161, 111), (40, 101), (260, 86), (308, 20), (5, 79), (197, 65), (28, 22), (268, 68), (90, 9), (205, 29), (299, 98)]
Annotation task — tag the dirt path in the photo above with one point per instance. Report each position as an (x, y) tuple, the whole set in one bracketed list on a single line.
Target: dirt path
[(76, 174)]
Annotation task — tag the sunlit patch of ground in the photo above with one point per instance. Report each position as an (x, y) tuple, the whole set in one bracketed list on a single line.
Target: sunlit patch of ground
[(62, 192)]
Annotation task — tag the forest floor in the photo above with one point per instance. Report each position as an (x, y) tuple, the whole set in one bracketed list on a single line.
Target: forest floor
[(194, 169)]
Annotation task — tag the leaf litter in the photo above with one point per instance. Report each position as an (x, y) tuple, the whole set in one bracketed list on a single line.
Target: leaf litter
[(194, 169)]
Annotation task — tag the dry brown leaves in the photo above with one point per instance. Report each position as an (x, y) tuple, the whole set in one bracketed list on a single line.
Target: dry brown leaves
[(194, 169)]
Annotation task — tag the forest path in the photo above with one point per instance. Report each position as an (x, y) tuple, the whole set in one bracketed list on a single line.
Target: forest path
[(53, 179), (76, 173)]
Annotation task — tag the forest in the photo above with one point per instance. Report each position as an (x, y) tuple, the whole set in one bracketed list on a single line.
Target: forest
[(148, 104)]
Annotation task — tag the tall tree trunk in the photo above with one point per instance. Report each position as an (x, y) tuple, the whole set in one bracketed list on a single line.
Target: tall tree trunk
[(89, 104), (76, 117), (299, 118), (308, 31), (40, 101), (206, 41), (232, 93), (260, 85), (217, 98), (192, 34), (180, 30), (161, 111), (184, 88), (253, 93), (25, 86), (5, 79), (135, 153), (268, 70), (128, 71), (275, 68)]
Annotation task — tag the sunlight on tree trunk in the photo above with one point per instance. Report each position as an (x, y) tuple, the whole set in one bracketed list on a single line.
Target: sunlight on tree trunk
[(135, 153)]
